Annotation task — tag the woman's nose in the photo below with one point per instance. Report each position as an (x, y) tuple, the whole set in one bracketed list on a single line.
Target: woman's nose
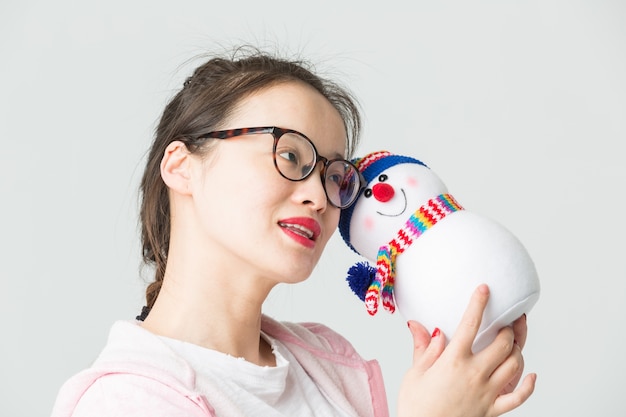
[(383, 192), (311, 191)]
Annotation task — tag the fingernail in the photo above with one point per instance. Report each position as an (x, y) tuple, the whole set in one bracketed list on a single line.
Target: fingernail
[(436, 332)]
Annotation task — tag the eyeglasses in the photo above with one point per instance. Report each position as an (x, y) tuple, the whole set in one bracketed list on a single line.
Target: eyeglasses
[(295, 159)]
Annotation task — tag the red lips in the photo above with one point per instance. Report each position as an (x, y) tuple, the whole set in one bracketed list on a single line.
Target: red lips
[(303, 230)]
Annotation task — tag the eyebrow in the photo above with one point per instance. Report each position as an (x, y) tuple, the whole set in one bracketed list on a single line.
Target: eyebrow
[(337, 155)]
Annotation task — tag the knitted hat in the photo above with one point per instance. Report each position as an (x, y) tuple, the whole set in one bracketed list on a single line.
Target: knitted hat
[(370, 166)]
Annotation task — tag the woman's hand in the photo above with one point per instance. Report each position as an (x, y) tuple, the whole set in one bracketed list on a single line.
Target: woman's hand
[(453, 381), (519, 332)]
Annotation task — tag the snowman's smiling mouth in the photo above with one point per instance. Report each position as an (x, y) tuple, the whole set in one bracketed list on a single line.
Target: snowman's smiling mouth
[(401, 212)]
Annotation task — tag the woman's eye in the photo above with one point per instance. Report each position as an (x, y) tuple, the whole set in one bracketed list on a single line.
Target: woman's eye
[(335, 179), (289, 156)]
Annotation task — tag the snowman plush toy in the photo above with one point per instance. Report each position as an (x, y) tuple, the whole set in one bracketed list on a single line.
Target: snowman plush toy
[(430, 253)]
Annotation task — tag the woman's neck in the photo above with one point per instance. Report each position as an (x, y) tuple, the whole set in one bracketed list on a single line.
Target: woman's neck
[(224, 317)]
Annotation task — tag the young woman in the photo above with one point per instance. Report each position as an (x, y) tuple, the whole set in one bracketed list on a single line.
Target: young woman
[(242, 190)]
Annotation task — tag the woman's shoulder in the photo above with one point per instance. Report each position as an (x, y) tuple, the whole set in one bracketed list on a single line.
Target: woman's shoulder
[(133, 361), (315, 337), (333, 363), (94, 394)]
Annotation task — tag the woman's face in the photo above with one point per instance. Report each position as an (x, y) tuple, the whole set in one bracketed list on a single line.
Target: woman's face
[(251, 216)]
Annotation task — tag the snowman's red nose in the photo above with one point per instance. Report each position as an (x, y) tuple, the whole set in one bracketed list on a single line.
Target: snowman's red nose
[(383, 192)]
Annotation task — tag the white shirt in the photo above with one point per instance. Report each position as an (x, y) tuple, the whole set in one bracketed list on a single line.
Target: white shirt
[(283, 390)]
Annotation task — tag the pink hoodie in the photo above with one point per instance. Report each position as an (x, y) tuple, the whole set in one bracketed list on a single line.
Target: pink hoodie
[(163, 381)]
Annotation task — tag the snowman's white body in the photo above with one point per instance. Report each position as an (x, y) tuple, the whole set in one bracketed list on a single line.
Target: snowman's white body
[(436, 275)]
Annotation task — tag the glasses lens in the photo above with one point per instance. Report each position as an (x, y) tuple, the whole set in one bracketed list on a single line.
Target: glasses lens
[(295, 156), (342, 184)]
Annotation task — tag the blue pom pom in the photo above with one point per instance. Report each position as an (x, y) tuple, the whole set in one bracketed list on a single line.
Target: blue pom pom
[(360, 277)]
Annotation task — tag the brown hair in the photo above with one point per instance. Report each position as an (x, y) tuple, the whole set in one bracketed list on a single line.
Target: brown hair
[(207, 99)]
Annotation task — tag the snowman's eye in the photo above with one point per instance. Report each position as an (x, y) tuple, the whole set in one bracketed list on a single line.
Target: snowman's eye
[(367, 193), (383, 178)]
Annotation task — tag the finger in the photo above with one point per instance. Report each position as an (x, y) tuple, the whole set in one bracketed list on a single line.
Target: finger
[(520, 329), (510, 386), (509, 371), (507, 402), (435, 349), (492, 357), (470, 322), (426, 349), (421, 338)]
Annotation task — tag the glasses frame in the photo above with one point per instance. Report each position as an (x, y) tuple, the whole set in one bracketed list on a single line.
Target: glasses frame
[(277, 133)]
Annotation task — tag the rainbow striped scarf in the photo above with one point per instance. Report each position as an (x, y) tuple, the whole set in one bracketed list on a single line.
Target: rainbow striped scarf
[(423, 219)]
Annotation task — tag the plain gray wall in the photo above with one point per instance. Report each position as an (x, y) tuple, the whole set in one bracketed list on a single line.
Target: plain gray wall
[(519, 106)]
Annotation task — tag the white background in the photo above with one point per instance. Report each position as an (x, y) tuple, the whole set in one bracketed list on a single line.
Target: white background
[(519, 106)]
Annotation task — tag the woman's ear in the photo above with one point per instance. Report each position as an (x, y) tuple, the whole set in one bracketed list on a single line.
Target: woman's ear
[(176, 167)]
